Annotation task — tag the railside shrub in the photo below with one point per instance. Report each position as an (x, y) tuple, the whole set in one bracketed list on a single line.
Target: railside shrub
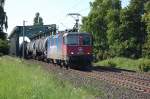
[(4, 47), (144, 66)]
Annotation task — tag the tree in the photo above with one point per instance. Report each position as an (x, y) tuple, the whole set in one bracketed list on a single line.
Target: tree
[(3, 24), (132, 29), (38, 20), (101, 22), (119, 31), (4, 47), (3, 17), (113, 22), (146, 20)]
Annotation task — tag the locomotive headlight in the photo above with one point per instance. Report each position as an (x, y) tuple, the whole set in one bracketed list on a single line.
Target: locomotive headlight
[(88, 53), (72, 53)]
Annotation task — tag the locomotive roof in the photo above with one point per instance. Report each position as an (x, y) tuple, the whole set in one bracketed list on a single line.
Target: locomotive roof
[(75, 33), (67, 33), (78, 33)]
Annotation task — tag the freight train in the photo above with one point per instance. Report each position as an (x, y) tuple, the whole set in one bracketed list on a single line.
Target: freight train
[(69, 49)]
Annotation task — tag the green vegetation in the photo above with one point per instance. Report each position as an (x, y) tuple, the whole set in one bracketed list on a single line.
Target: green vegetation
[(19, 80), (4, 48), (3, 16), (146, 19), (144, 65), (126, 63), (38, 20), (119, 32)]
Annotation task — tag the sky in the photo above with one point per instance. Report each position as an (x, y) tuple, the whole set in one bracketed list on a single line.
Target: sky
[(52, 11)]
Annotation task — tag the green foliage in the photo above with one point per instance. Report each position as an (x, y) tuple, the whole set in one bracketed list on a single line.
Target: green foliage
[(146, 47), (20, 80), (131, 28), (97, 22), (38, 20), (142, 64), (104, 55), (109, 63), (118, 31), (4, 47), (3, 16), (3, 35), (146, 20)]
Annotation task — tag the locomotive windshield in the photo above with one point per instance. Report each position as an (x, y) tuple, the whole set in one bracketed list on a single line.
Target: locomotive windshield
[(72, 40), (77, 39), (86, 39)]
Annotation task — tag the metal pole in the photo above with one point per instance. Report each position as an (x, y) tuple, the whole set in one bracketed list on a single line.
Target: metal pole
[(23, 38)]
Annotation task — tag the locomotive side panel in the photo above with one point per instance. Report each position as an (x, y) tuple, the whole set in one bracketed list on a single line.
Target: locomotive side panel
[(48, 47), (59, 47)]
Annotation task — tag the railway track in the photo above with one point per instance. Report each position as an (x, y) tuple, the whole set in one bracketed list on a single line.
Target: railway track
[(125, 80), (134, 81), (119, 79)]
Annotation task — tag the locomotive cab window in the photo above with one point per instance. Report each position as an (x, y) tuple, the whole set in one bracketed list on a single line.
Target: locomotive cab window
[(86, 40), (71, 40)]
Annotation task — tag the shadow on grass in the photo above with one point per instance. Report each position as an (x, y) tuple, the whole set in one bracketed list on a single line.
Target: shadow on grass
[(110, 69), (91, 68)]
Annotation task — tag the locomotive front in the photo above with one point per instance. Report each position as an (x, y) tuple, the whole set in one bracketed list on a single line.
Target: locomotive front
[(78, 48)]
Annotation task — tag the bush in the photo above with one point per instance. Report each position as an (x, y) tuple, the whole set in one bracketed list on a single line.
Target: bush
[(101, 55), (4, 47), (144, 66), (107, 55), (1, 54), (3, 36)]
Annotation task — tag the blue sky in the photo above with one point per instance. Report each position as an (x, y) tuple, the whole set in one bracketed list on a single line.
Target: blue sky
[(52, 11)]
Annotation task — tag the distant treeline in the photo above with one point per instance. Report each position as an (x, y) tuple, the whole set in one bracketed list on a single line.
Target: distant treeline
[(119, 31)]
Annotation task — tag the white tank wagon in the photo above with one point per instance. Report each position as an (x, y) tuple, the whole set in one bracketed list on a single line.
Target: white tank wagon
[(37, 43), (43, 44), (41, 48), (31, 49), (31, 46), (38, 48)]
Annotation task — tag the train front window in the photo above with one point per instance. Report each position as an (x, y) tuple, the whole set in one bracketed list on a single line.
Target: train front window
[(71, 40), (86, 40)]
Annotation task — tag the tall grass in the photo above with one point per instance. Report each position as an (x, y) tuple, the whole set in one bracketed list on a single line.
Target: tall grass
[(124, 63), (19, 80)]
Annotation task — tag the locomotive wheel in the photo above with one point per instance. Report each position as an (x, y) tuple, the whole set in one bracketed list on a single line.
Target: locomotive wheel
[(63, 63), (35, 57), (52, 61), (67, 65), (48, 61), (60, 64)]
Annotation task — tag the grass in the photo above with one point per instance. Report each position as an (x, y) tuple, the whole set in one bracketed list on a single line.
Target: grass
[(19, 80), (123, 63)]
